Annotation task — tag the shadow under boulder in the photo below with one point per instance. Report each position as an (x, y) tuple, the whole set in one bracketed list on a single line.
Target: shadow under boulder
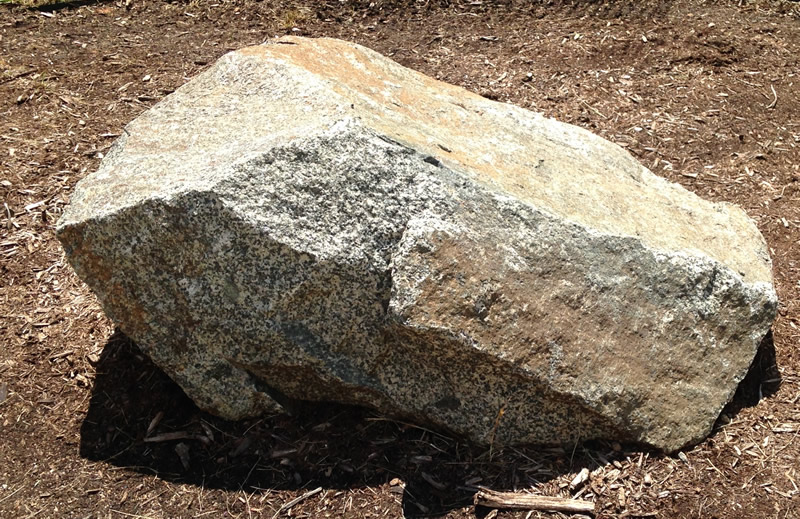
[(332, 446)]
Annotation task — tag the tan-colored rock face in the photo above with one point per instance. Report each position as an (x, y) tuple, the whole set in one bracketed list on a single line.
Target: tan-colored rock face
[(562, 169)]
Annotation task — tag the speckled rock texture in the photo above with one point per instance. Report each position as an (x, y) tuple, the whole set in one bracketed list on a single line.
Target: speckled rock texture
[(308, 220)]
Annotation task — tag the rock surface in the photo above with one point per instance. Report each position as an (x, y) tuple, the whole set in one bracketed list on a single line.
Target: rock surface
[(309, 220)]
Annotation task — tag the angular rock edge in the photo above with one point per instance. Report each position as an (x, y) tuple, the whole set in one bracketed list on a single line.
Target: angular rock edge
[(309, 220)]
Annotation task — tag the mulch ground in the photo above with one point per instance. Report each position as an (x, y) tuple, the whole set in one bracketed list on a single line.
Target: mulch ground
[(706, 94)]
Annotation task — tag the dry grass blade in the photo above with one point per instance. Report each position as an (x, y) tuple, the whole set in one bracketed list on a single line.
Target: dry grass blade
[(11, 494)]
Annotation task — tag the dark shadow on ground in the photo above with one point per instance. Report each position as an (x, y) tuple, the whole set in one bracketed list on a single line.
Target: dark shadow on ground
[(763, 379), (325, 445), (67, 4)]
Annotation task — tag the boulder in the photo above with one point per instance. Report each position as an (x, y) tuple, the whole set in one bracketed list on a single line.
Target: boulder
[(308, 220)]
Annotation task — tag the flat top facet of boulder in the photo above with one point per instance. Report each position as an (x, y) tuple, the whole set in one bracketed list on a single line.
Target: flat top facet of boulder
[(309, 220)]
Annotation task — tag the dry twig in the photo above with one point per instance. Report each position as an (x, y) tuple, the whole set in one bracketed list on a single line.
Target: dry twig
[(297, 500), (12, 77), (775, 100), (523, 501), (170, 436)]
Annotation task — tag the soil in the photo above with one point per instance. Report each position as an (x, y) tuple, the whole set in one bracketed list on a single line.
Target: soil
[(706, 94)]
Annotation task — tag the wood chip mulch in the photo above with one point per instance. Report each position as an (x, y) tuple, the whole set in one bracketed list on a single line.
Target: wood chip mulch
[(705, 93)]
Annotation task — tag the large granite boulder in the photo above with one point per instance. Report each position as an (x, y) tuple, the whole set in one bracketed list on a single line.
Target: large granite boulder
[(309, 220)]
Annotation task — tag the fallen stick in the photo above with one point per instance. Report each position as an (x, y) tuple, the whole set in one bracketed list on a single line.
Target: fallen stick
[(170, 436), (522, 501), (296, 500), (12, 77)]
